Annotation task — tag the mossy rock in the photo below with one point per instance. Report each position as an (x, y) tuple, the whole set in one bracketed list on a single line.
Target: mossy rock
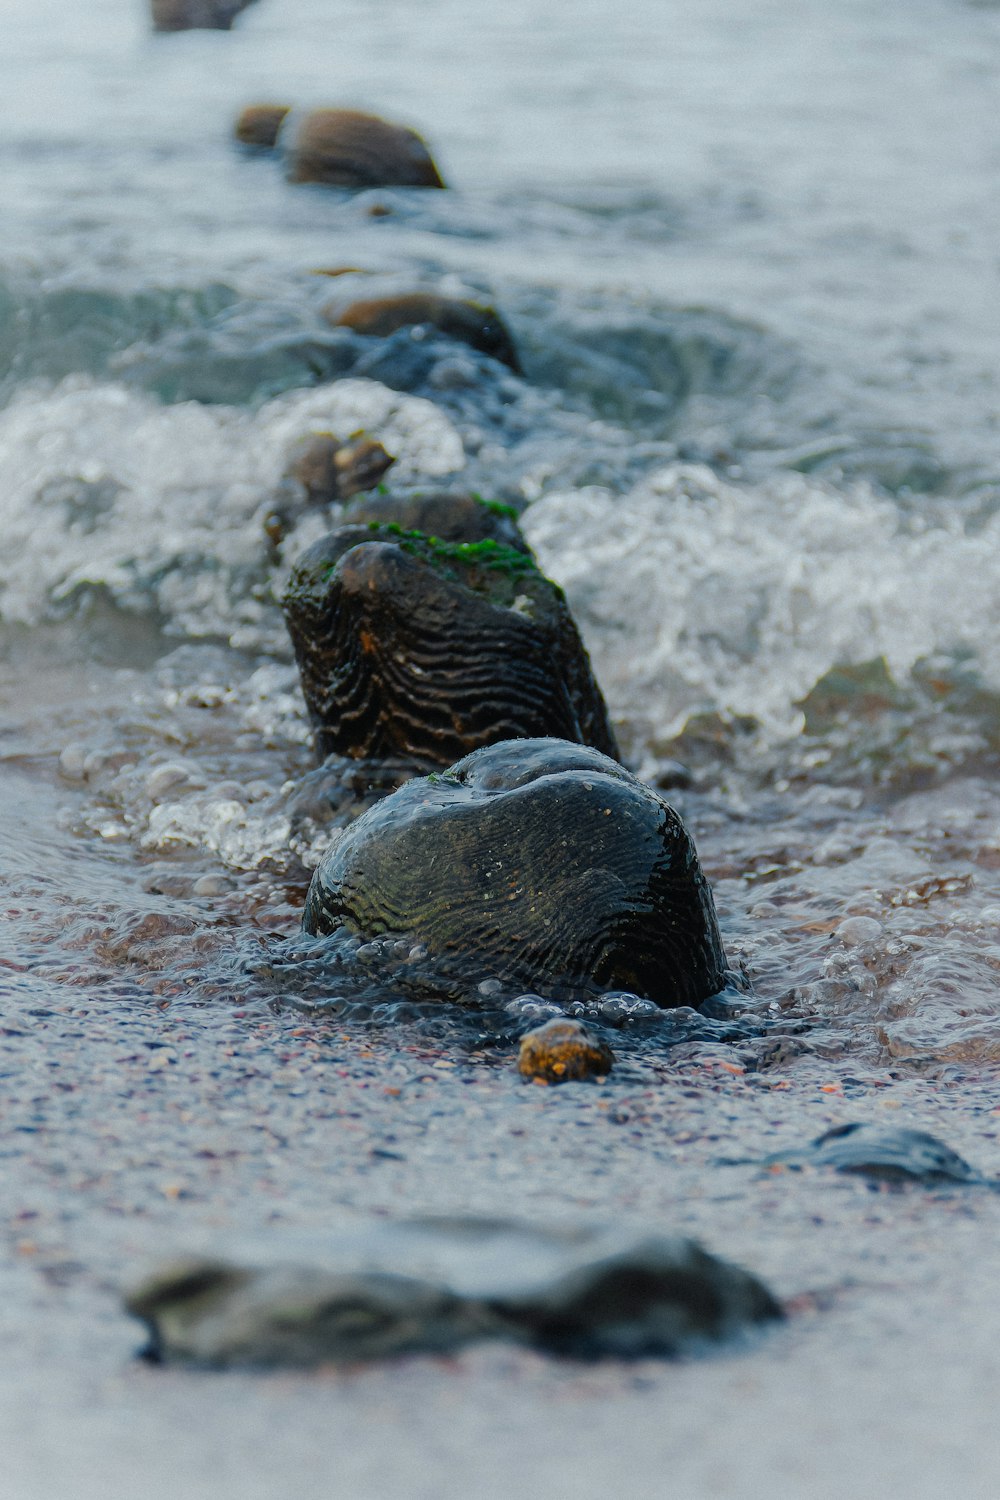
[(410, 645), (449, 516), (538, 862)]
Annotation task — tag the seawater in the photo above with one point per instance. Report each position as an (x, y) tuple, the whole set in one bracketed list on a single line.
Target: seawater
[(748, 252)]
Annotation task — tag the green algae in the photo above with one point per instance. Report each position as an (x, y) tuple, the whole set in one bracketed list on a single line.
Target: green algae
[(490, 554)]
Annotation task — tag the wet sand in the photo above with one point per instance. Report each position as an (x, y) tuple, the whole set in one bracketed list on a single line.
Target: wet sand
[(137, 1122)]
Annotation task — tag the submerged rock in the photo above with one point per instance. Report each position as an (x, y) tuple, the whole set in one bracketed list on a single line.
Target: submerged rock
[(190, 15), (430, 1286), (471, 323), (409, 645), (260, 124), (541, 862), (563, 1052), (889, 1154), (345, 148)]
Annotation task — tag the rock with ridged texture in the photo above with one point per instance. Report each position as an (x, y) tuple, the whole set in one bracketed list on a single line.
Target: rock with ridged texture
[(260, 124), (542, 863), (430, 1286), (415, 647), (472, 323), (346, 148), (195, 15), (563, 1052)]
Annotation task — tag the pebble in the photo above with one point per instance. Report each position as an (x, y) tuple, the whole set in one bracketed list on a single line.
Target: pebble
[(562, 1051)]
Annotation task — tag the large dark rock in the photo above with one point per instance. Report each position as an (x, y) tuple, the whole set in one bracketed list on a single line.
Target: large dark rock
[(432, 1286), (345, 148), (414, 646), (191, 15), (538, 862), (472, 323)]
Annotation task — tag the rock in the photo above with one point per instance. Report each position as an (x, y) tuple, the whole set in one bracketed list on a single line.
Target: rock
[(330, 470), (563, 1051), (212, 1313), (190, 15), (449, 517), (432, 1286), (471, 323), (540, 862), (344, 148), (892, 1154), (259, 124), (408, 645)]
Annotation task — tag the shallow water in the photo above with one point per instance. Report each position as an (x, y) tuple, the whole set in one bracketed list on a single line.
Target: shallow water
[(749, 254)]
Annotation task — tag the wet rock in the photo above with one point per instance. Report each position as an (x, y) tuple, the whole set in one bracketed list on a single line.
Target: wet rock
[(345, 148), (431, 1286), (412, 646), (190, 15), (889, 1154), (563, 1051), (260, 124), (541, 862), (330, 470), (450, 517), (470, 323), (213, 1313)]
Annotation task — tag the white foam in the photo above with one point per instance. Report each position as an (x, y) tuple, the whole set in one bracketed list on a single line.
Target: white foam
[(161, 506), (693, 593)]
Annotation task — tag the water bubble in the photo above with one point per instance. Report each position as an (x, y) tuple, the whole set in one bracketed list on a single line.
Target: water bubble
[(165, 778), (533, 1008), (616, 1009), (73, 762), (854, 931)]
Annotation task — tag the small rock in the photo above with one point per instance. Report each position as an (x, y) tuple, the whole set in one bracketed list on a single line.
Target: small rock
[(888, 1154), (345, 148), (563, 1052), (329, 470), (190, 15), (260, 124)]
